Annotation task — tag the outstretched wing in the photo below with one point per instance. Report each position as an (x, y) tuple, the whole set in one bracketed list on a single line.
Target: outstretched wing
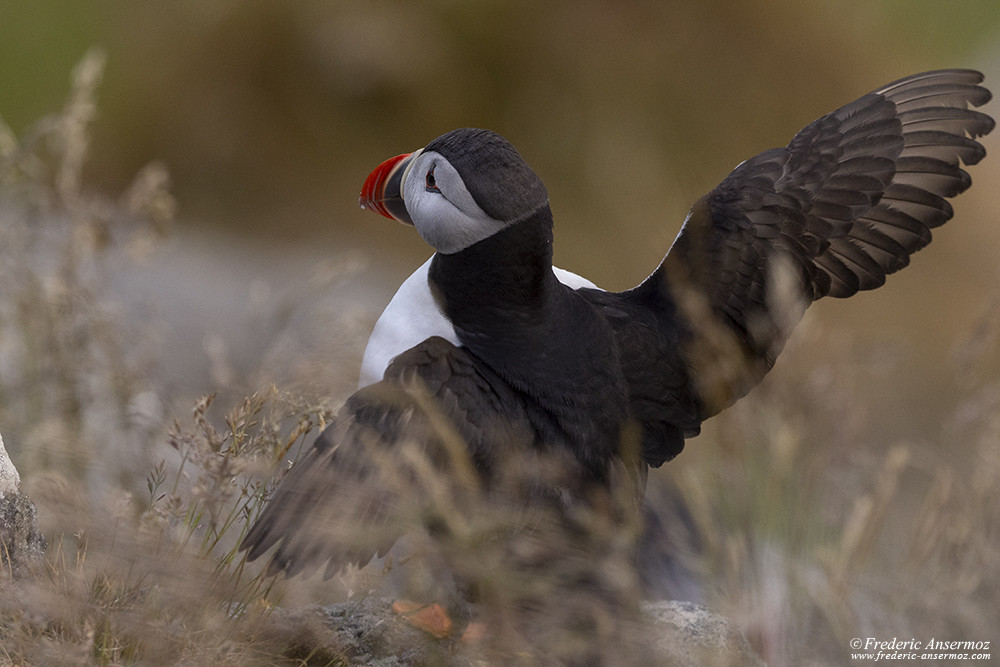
[(846, 203), (400, 451)]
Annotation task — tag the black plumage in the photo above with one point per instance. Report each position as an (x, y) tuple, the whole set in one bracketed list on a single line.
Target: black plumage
[(603, 383)]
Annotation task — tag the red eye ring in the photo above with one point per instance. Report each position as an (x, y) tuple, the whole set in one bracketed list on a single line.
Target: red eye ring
[(430, 182)]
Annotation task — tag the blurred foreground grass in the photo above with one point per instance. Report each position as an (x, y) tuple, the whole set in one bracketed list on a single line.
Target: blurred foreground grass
[(142, 536), (811, 536)]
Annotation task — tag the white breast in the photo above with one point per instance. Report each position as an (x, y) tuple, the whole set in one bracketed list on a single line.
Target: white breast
[(412, 316)]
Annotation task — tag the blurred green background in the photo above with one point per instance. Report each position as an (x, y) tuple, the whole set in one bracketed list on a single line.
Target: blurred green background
[(270, 114)]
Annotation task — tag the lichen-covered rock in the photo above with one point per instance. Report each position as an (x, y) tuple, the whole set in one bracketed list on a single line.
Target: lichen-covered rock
[(368, 633), (20, 542), (692, 635)]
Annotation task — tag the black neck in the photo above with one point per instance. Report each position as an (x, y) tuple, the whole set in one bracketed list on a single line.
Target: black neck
[(500, 286), (546, 340)]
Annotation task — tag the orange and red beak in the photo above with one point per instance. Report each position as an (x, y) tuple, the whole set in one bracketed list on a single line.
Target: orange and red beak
[(383, 189)]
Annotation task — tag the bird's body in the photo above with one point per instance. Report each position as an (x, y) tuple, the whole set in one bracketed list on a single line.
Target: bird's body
[(412, 317), (523, 364)]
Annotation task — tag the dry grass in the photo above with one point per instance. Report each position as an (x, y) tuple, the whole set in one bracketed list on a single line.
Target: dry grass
[(136, 571), (815, 536), (809, 536)]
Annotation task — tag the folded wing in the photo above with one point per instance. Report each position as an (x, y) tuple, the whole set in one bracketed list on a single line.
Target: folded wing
[(402, 453)]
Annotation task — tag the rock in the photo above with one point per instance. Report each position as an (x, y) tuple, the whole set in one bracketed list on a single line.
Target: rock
[(21, 544), (369, 633), (692, 635), (10, 481)]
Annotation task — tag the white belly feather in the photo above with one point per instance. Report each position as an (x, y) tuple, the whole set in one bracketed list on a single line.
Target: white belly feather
[(412, 316)]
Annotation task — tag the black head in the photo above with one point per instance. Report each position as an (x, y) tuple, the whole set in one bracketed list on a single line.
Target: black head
[(461, 188)]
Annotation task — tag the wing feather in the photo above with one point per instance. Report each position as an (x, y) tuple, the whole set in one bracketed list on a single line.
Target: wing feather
[(357, 490), (846, 203)]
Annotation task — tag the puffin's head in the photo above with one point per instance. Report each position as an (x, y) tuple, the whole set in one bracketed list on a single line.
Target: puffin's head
[(459, 189)]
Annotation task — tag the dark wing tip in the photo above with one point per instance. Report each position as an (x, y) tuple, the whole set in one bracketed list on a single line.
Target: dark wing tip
[(257, 540), (846, 203), (939, 128)]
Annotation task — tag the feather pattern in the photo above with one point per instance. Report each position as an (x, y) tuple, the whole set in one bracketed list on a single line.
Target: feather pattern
[(544, 373), (846, 203)]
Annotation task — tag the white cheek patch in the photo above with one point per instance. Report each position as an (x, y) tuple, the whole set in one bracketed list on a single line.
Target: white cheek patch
[(450, 220)]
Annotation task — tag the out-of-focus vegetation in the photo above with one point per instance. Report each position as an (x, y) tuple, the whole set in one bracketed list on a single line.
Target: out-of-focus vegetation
[(853, 494), (270, 113)]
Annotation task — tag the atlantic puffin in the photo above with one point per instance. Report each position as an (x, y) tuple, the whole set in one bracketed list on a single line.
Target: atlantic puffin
[(509, 358)]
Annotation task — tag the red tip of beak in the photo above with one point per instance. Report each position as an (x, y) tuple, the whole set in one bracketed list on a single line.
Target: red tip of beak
[(374, 195)]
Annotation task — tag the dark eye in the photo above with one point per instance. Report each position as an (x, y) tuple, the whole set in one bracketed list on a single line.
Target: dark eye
[(432, 182)]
